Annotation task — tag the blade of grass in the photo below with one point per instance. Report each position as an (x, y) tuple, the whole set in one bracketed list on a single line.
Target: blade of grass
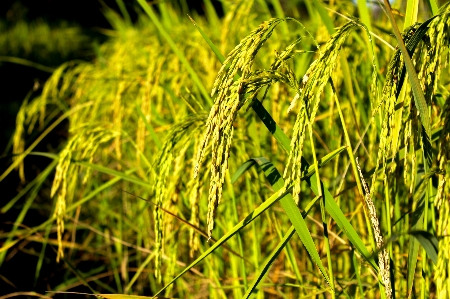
[(358, 274), (352, 161), (139, 271), (7, 245), (19, 195), (247, 220), (77, 273), (419, 98), (310, 171), (122, 175), (433, 6), (235, 220), (322, 209), (28, 63), (208, 41), (211, 14), (42, 254), (124, 12), (412, 10), (273, 255), (280, 14), (34, 192), (291, 209), (365, 18), (330, 205), (429, 243)]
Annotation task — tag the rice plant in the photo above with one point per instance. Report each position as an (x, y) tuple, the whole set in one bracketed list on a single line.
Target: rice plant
[(177, 155)]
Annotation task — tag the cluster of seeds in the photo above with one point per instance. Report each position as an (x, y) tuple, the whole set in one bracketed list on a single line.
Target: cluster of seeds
[(383, 255), (173, 150), (229, 99), (82, 146), (442, 202), (309, 95)]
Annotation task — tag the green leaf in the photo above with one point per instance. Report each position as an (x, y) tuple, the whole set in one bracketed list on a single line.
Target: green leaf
[(330, 205), (293, 212), (268, 262), (270, 259), (309, 172), (411, 46), (27, 205), (412, 10), (428, 241), (243, 223), (327, 21), (433, 6), (419, 98), (413, 251), (209, 42)]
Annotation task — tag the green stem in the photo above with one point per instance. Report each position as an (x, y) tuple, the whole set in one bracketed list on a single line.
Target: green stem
[(419, 98), (236, 220), (353, 163), (322, 211)]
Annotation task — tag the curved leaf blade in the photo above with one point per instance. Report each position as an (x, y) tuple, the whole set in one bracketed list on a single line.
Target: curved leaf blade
[(428, 241)]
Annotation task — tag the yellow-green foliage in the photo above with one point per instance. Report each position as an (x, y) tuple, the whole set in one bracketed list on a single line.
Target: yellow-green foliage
[(38, 40), (139, 122)]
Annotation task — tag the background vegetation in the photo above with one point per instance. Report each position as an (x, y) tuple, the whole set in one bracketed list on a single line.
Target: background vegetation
[(164, 187)]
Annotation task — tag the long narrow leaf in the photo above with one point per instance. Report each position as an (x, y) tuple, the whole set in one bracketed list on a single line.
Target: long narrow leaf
[(311, 169), (429, 242), (268, 262), (419, 98), (249, 218), (293, 212), (330, 205)]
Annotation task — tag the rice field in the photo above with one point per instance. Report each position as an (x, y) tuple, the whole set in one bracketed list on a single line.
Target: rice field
[(287, 149)]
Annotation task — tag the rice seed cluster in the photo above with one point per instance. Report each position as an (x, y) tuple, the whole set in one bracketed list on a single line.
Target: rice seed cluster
[(229, 99), (174, 149), (442, 202), (82, 146), (383, 255), (309, 95)]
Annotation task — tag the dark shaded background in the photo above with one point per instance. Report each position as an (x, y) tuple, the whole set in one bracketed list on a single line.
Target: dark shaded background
[(16, 81)]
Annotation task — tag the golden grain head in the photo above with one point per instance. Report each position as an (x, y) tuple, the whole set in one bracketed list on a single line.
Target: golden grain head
[(309, 94)]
